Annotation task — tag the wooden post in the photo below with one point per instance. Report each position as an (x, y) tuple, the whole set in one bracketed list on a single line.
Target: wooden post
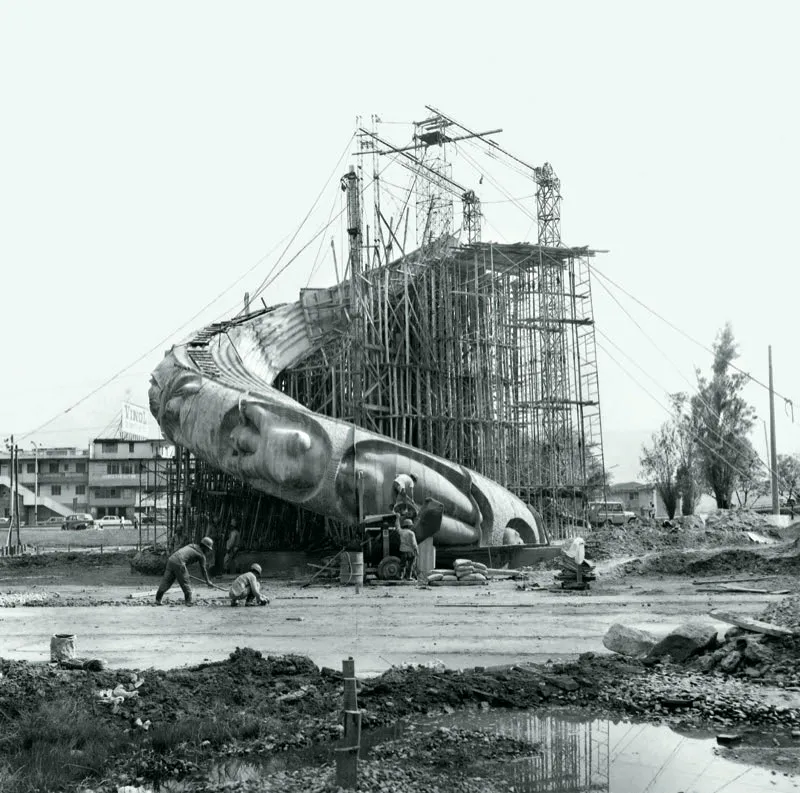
[(347, 753)]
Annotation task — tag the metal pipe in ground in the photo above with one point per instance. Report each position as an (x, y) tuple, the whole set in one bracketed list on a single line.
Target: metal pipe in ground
[(347, 753)]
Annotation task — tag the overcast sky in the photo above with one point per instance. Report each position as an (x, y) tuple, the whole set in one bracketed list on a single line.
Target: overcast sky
[(152, 153)]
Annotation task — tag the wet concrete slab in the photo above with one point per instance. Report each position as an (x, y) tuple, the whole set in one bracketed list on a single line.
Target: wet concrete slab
[(379, 627)]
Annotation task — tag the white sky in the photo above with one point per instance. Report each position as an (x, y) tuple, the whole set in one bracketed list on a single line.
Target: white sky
[(152, 152)]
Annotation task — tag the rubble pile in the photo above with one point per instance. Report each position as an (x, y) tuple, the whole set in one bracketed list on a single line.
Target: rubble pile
[(785, 613), (772, 560), (255, 706), (150, 561), (646, 535), (14, 599)]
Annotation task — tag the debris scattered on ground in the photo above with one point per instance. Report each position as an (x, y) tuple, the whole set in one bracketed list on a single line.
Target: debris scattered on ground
[(646, 535)]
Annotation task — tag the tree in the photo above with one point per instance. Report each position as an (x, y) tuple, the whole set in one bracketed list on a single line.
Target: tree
[(722, 420), (660, 463), (750, 481), (789, 476), (688, 473)]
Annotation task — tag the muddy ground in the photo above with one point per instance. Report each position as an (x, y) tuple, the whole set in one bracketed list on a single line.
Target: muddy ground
[(202, 705)]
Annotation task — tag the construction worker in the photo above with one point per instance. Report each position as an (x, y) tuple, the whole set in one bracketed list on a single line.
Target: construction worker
[(231, 547), (177, 565), (408, 549), (248, 588)]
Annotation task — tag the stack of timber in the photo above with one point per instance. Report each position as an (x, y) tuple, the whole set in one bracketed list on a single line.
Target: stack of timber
[(574, 575), (464, 573)]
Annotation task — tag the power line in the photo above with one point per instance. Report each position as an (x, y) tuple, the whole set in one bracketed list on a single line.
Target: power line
[(693, 436), (684, 333)]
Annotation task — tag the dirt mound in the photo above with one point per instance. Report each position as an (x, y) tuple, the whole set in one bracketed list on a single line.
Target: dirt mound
[(71, 558), (150, 561), (771, 561), (645, 535)]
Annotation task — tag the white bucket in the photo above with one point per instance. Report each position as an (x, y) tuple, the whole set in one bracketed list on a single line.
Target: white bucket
[(62, 646)]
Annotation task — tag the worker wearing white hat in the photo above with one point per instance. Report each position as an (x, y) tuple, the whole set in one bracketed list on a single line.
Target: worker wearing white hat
[(177, 565), (248, 588)]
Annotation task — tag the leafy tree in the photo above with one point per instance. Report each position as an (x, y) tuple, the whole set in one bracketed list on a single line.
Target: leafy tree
[(722, 420), (789, 476), (660, 463), (750, 481), (688, 473)]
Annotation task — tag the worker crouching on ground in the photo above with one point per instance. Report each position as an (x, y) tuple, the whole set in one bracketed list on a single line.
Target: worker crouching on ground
[(177, 565), (408, 550), (248, 588)]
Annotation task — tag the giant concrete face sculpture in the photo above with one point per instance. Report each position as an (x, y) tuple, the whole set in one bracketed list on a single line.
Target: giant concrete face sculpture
[(214, 396)]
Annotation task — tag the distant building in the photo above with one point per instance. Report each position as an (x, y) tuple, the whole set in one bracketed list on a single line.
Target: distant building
[(52, 483), (122, 472), (637, 497), (111, 477)]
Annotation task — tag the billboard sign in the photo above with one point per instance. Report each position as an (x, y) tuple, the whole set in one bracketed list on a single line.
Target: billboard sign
[(134, 421)]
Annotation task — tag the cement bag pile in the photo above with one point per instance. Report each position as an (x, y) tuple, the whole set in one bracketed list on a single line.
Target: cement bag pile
[(464, 573)]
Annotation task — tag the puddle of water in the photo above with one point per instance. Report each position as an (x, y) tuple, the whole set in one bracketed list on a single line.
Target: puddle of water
[(573, 753), (598, 755)]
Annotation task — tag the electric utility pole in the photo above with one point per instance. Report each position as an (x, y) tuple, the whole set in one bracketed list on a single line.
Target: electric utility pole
[(773, 452)]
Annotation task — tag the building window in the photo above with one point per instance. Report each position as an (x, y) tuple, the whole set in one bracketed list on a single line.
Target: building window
[(31, 467), (112, 468), (109, 446), (131, 448), (80, 468), (126, 468), (66, 467), (80, 490), (55, 490), (52, 468)]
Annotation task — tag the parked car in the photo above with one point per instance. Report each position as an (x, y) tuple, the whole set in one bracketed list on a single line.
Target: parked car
[(54, 520), (609, 512), (77, 522), (109, 522)]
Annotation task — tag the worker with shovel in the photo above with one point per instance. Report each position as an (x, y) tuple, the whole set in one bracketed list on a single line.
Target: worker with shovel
[(177, 565), (247, 587)]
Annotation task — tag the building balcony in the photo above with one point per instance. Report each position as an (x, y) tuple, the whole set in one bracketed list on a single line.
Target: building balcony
[(46, 478)]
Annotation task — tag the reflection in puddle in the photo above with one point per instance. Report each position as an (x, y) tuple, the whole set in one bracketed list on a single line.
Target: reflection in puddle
[(569, 754), (579, 755)]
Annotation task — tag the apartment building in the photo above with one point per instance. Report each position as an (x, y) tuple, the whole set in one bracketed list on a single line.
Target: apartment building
[(122, 472), (52, 482), (111, 477)]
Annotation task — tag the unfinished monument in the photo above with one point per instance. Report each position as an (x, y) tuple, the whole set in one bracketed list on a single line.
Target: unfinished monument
[(469, 365)]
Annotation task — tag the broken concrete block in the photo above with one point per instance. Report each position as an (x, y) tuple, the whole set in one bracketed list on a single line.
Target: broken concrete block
[(624, 640), (729, 663), (734, 633), (690, 639), (756, 653)]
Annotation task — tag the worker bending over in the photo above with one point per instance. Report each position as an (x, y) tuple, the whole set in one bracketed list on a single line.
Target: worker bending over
[(177, 565), (408, 549), (248, 588)]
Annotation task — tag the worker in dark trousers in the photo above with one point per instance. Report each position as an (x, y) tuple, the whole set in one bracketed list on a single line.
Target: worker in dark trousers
[(408, 549), (232, 547), (247, 587), (177, 565)]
